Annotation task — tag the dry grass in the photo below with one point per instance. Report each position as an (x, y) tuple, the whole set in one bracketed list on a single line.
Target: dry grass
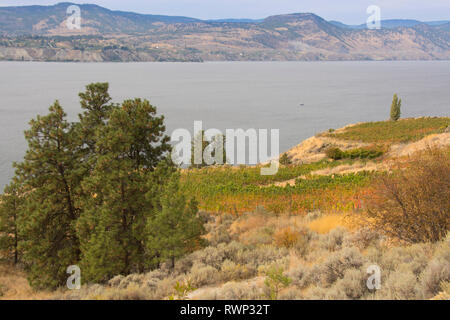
[(14, 285), (325, 255), (332, 265), (325, 224)]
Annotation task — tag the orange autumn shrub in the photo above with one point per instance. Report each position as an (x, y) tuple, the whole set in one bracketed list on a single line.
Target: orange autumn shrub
[(286, 237), (413, 203)]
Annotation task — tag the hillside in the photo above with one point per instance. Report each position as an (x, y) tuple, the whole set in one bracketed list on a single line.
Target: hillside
[(394, 137), (311, 233), (39, 33), (307, 184), (49, 20), (393, 23)]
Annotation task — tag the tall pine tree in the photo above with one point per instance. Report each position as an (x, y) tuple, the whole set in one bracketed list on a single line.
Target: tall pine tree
[(96, 106), (47, 223), (96, 193), (174, 229), (111, 227), (10, 207)]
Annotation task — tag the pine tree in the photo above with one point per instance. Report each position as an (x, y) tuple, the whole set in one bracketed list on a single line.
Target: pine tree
[(96, 106), (46, 224), (200, 139), (10, 207), (395, 108), (128, 147), (175, 229), (90, 193)]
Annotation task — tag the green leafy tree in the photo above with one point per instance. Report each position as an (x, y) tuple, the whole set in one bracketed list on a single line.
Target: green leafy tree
[(10, 206), (275, 281), (175, 229), (46, 225), (395, 108), (111, 227)]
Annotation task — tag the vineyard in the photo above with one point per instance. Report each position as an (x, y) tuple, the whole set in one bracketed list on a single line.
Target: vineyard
[(388, 132), (243, 189)]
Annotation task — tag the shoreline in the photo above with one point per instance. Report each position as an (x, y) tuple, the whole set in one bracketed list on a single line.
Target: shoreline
[(223, 61)]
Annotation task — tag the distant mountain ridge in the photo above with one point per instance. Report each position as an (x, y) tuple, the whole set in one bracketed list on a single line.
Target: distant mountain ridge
[(43, 19), (40, 33), (392, 23), (19, 20)]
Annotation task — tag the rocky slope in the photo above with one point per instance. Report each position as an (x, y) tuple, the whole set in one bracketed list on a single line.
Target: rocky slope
[(314, 148)]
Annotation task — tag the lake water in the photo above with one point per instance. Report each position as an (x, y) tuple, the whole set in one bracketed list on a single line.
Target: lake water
[(299, 98)]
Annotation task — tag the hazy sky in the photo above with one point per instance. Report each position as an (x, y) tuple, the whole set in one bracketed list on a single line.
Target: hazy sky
[(348, 11)]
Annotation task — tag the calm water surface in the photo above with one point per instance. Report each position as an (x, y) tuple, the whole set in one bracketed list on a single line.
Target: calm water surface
[(299, 98)]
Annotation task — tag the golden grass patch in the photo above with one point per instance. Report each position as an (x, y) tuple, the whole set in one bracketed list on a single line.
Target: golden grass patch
[(14, 285), (325, 224)]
